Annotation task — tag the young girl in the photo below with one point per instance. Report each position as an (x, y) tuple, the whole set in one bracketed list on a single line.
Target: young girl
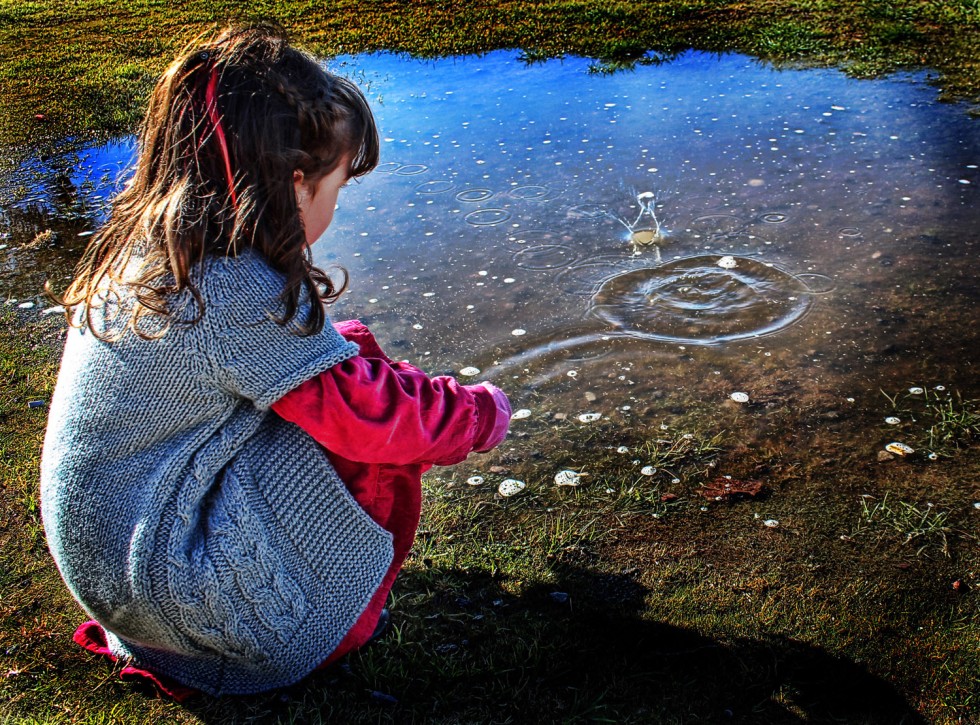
[(229, 482)]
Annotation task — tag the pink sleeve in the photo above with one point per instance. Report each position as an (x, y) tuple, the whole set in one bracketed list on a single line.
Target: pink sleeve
[(372, 410)]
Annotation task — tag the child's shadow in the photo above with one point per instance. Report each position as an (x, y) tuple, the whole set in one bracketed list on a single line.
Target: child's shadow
[(575, 650)]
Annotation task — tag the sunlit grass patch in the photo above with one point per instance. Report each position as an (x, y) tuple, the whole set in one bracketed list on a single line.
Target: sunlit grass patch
[(937, 421), (925, 527)]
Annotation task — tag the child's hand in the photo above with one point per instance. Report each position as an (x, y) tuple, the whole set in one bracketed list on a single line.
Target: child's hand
[(356, 331)]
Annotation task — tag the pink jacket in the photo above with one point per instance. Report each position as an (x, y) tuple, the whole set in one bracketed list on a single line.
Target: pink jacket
[(383, 424)]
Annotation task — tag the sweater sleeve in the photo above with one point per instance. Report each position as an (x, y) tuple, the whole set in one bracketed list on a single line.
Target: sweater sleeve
[(373, 410)]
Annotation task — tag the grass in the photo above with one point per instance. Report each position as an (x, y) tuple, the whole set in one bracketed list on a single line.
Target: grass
[(86, 67), (631, 597), (605, 602)]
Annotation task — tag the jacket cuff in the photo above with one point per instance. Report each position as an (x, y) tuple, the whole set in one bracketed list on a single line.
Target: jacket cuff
[(493, 410), (357, 331)]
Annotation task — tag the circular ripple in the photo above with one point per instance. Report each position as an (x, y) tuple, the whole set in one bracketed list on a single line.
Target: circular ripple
[(586, 211), (818, 284), (545, 257), (586, 276), (387, 168), (695, 301), (717, 224), (531, 191), (774, 218), (487, 217), (474, 195), (435, 187), (849, 232), (411, 169)]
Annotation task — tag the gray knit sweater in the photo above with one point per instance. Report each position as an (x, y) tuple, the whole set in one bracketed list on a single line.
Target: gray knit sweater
[(211, 539)]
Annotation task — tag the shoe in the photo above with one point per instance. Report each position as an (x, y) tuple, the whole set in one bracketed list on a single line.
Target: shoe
[(381, 629)]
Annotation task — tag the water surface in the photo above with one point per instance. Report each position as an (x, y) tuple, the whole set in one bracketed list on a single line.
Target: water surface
[(639, 245)]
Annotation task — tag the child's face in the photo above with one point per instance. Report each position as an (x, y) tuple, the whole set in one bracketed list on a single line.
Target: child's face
[(317, 201)]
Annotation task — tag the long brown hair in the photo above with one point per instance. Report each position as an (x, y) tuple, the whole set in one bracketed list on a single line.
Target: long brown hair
[(227, 125)]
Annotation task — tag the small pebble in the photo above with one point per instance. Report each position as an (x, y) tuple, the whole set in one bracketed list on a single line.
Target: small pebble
[(36, 404), (559, 597), (469, 371), (622, 449), (648, 470), (510, 486), (568, 478), (916, 391), (899, 449), (727, 262), (474, 480), (892, 420), (521, 413), (26, 305), (771, 523), (740, 397), (518, 332), (589, 417)]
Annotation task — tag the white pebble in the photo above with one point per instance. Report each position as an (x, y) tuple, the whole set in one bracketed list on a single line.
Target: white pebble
[(416, 326), (568, 478), (521, 414), (727, 262), (916, 391), (518, 332), (510, 486), (26, 305), (622, 449), (648, 470), (589, 417), (771, 523), (474, 480), (892, 420), (469, 371), (740, 397)]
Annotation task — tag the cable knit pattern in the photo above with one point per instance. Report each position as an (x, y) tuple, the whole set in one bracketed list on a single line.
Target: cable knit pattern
[(211, 539)]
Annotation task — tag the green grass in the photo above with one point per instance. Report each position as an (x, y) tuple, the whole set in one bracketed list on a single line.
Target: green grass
[(601, 602), (87, 66), (632, 597)]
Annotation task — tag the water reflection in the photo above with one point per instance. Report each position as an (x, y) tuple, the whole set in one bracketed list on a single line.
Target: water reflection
[(507, 197)]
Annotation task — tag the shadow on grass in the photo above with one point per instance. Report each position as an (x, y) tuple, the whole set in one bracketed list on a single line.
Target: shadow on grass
[(572, 650)]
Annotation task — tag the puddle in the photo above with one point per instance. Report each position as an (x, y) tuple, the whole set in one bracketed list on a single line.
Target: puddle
[(591, 214)]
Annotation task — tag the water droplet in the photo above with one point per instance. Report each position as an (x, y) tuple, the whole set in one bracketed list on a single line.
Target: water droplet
[(510, 486), (740, 397)]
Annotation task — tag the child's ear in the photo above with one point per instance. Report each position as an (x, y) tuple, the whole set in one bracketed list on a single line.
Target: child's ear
[(302, 194)]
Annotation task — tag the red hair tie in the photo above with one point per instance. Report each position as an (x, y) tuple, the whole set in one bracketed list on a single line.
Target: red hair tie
[(211, 102)]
